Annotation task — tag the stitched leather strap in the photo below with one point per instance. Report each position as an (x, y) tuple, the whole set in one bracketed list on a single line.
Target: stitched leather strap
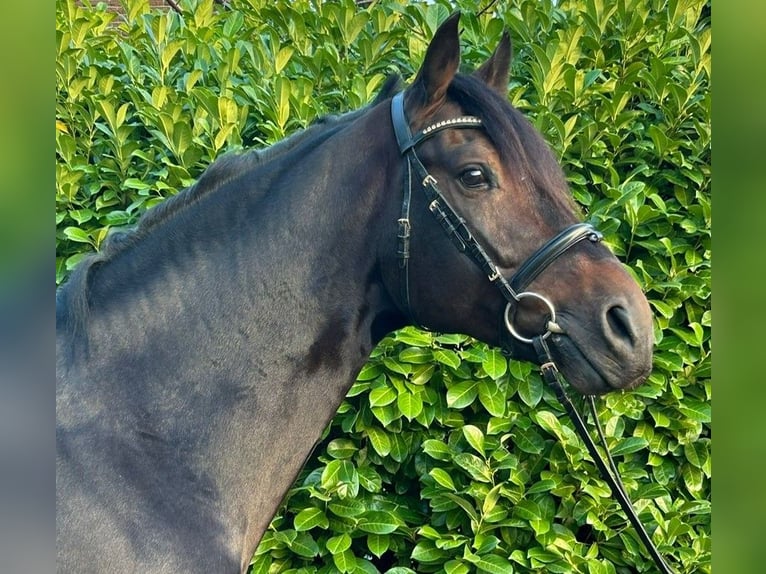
[(611, 475)]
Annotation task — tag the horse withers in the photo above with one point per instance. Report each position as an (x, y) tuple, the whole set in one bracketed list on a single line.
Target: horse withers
[(201, 354)]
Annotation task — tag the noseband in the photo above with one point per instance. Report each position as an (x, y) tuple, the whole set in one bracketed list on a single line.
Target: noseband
[(513, 290)]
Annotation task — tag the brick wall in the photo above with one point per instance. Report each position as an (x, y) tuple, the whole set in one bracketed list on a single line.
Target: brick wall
[(115, 4)]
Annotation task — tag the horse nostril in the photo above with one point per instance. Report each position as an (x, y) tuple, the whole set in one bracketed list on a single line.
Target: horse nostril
[(618, 319)]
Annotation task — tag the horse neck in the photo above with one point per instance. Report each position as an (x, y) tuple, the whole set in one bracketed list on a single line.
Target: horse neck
[(306, 244), (242, 338)]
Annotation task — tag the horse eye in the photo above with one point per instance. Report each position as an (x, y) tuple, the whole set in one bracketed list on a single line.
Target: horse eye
[(473, 178)]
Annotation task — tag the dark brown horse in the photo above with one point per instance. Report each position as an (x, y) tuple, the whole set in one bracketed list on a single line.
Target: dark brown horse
[(201, 355)]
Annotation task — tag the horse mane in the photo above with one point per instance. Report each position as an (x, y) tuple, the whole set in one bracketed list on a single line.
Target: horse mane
[(74, 293)]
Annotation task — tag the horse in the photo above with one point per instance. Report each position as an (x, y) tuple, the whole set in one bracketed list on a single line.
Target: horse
[(201, 354)]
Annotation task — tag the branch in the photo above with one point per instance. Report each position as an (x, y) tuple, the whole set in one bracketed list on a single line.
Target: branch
[(487, 7), (174, 6)]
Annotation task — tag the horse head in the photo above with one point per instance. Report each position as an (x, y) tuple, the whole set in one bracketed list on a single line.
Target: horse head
[(494, 195)]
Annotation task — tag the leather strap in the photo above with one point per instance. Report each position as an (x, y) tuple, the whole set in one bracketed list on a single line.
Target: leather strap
[(610, 474), (548, 253)]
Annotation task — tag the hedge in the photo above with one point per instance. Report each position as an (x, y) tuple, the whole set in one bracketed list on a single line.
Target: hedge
[(444, 456)]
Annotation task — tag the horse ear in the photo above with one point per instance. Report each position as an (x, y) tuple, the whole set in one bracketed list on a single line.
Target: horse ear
[(497, 69), (439, 66)]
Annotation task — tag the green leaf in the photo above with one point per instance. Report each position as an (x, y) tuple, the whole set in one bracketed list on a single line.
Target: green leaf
[(693, 479), (414, 337), (379, 441), (378, 544), (282, 89), (81, 215), (600, 567), (455, 567), (338, 544), (629, 445), (528, 440), (475, 438), (341, 448), (520, 370), (696, 453), (498, 425), (345, 561), (443, 478), (495, 364), (309, 518), (285, 537), (400, 449), (378, 522), (490, 501), (369, 479), (396, 366), (451, 339), (661, 419), (543, 485), (305, 545), (338, 473), (416, 355), (422, 374), (464, 504), (347, 508), (527, 510), (548, 421), (386, 415), (531, 390), (369, 372), (426, 552), (261, 565), (474, 466), (437, 449), (282, 57), (494, 564), (492, 398), (447, 357), (696, 410), (665, 310), (382, 396), (462, 394), (410, 404), (77, 234), (134, 183)]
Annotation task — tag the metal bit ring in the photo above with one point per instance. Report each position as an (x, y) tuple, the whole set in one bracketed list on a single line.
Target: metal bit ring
[(551, 326)]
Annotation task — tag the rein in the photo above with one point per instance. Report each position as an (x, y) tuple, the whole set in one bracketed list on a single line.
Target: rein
[(456, 229)]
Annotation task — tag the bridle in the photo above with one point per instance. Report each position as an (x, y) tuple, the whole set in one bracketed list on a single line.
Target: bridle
[(513, 290), (457, 230)]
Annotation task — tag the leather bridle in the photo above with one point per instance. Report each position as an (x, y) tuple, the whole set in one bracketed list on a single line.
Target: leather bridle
[(513, 290), (457, 230)]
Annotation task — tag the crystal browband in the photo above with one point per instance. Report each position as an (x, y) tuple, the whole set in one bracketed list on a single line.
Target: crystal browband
[(451, 122)]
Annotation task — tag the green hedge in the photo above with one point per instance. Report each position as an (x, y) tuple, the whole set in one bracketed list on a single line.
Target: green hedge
[(444, 457)]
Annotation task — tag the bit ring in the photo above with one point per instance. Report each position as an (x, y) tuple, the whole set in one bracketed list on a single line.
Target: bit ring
[(551, 326)]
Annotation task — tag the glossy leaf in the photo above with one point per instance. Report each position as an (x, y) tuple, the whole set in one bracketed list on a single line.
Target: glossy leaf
[(309, 518)]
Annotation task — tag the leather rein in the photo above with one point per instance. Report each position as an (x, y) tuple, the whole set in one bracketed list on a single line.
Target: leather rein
[(512, 290)]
